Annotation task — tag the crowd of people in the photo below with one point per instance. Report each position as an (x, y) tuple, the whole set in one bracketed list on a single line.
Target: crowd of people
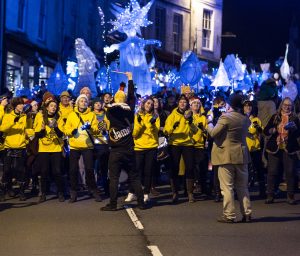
[(249, 142)]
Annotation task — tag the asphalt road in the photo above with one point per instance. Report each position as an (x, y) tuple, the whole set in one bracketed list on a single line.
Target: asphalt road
[(78, 229)]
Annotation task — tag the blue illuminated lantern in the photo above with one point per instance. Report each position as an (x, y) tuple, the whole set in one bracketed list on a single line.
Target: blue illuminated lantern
[(23, 91), (134, 53), (190, 70), (58, 81)]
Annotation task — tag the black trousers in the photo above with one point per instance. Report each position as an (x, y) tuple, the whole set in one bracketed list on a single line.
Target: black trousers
[(201, 167), (217, 188), (50, 161), (14, 167), (187, 153), (145, 161), (101, 155), (257, 171), (123, 159), (88, 161), (281, 158)]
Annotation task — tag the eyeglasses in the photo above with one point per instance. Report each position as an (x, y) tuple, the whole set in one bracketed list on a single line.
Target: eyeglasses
[(287, 105)]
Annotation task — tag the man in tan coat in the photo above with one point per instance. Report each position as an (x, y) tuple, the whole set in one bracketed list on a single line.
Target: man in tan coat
[(231, 154)]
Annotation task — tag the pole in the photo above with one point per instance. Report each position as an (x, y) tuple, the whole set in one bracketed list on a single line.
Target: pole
[(2, 45)]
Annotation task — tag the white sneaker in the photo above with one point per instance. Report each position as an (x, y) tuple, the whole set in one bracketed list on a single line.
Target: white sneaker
[(146, 198), (130, 197)]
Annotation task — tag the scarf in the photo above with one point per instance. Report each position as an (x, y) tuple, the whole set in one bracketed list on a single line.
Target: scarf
[(282, 133)]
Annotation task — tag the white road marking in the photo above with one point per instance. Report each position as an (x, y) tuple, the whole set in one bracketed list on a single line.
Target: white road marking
[(154, 250), (134, 218)]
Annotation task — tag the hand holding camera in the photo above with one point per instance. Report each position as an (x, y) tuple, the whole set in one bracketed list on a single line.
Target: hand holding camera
[(86, 126), (188, 115), (200, 126), (290, 126), (139, 118), (175, 125)]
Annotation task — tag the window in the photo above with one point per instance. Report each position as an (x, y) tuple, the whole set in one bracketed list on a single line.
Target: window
[(177, 32), (160, 25), (41, 32), (206, 29), (21, 14)]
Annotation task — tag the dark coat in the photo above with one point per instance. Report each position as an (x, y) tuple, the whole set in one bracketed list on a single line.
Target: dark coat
[(292, 142)]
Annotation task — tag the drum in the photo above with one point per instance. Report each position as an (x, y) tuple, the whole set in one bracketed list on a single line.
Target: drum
[(162, 149)]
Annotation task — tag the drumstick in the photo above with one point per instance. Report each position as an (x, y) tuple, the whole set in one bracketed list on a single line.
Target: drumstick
[(118, 72)]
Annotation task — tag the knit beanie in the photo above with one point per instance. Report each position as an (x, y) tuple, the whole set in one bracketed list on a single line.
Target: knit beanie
[(193, 100), (47, 95), (79, 97)]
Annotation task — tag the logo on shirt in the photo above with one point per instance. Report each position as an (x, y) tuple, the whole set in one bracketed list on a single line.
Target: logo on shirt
[(116, 135)]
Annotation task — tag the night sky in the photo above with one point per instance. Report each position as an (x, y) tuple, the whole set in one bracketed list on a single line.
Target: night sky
[(261, 28)]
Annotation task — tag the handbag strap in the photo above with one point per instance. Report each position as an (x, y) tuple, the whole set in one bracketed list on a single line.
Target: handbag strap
[(90, 136)]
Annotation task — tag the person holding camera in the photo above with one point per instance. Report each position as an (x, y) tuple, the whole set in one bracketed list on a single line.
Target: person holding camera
[(80, 127), (256, 171), (201, 155), (145, 136), (282, 147), (14, 128), (218, 108), (231, 154), (48, 127), (180, 128)]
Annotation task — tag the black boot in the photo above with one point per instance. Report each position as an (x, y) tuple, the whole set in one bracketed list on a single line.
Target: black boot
[(42, 198), (270, 199), (174, 191), (218, 196), (73, 196), (262, 190), (96, 195), (2, 192), (190, 189), (61, 197), (22, 196), (291, 198), (9, 190), (109, 207)]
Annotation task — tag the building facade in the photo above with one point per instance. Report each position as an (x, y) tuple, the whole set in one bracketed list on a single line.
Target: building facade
[(184, 25), (39, 33)]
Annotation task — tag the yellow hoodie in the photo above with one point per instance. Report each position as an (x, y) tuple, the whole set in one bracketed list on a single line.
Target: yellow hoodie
[(15, 133), (253, 137), (81, 139), (51, 142), (145, 134), (1, 117), (182, 135), (64, 111), (200, 137)]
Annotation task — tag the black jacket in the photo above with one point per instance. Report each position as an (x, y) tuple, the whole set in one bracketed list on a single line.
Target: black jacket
[(292, 142), (121, 119)]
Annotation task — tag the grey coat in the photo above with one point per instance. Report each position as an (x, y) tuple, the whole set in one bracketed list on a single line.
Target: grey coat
[(229, 136)]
